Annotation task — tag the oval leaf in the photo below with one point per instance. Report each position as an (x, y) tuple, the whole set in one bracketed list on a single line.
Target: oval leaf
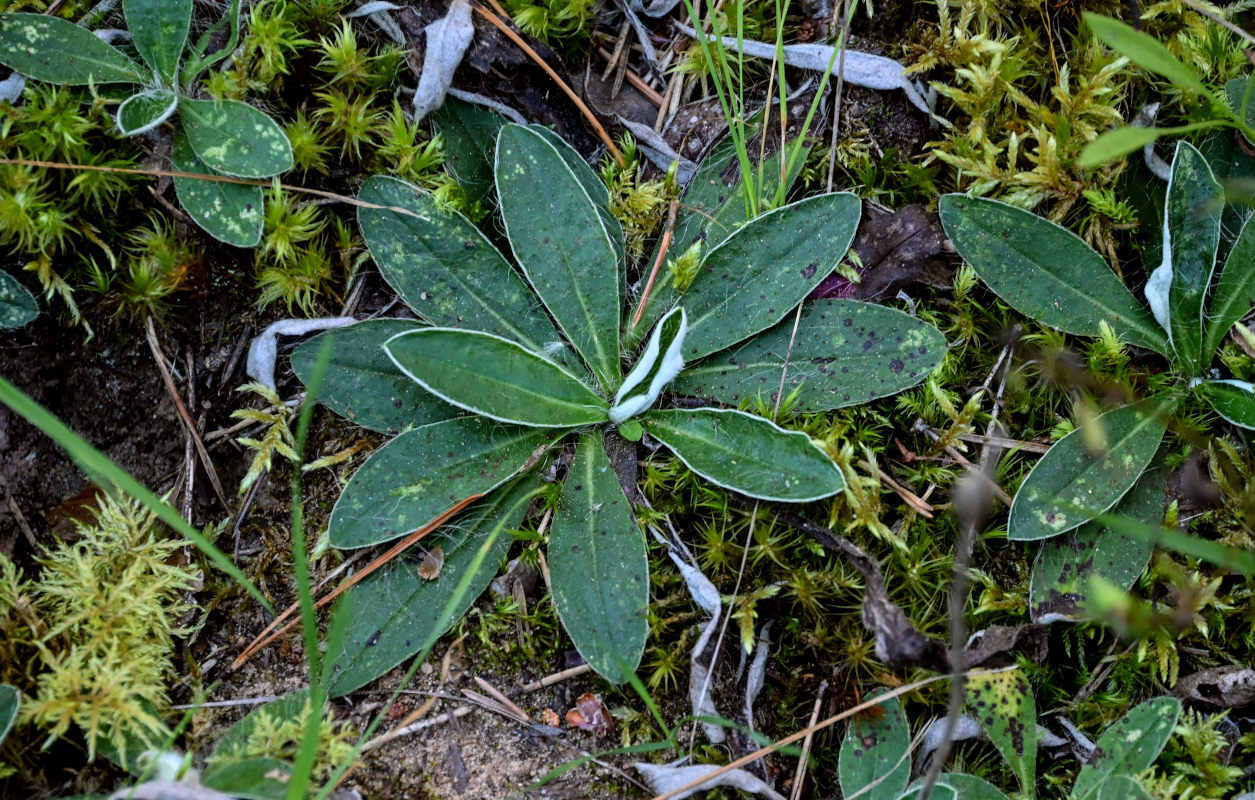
[(1191, 236), (1059, 586), (1233, 400), (444, 268), (413, 478), (236, 139), (876, 750), (1235, 291), (58, 51), (1131, 744), (761, 272), (229, 212), (1114, 144), (562, 242), (142, 112), (598, 568), (747, 454), (844, 353), (1072, 484), (1144, 51), (396, 613), (1045, 271), (495, 377), (1003, 702), (17, 304), (159, 31), (362, 384)]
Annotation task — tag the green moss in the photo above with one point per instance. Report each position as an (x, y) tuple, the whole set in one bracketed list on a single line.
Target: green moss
[(90, 640)]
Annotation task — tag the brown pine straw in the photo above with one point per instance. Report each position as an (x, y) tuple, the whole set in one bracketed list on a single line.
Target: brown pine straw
[(534, 56), (266, 637)]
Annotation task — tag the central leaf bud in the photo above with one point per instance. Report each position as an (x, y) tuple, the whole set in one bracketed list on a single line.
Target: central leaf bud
[(658, 365)]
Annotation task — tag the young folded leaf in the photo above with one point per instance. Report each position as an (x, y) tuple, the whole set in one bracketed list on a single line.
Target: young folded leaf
[(661, 361), (1191, 236)]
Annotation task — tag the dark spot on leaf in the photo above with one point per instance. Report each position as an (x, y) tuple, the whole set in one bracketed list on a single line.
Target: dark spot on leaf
[(847, 322), (810, 269), (896, 366)]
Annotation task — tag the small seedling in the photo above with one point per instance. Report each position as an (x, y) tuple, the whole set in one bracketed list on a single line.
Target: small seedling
[(1047, 273), (212, 137), (536, 355)]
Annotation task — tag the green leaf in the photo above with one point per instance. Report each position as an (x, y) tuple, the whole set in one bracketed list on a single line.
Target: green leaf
[(1061, 574), (1191, 236), (159, 31), (1088, 471), (760, 273), (876, 750), (10, 703), (422, 473), (1003, 702), (469, 135), (444, 268), (1045, 271), (659, 363), (1122, 787), (747, 454), (495, 377), (1144, 51), (253, 779), (845, 353), (597, 190), (229, 212), (598, 568), (1233, 400), (1235, 291), (58, 51), (959, 787), (397, 614), (142, 112), (1114, 144), (562, 242), (236, 139), (17, 304), (1128, 746), (362, 384)]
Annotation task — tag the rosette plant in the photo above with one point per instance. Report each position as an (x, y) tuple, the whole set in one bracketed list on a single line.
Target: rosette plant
[(1204, 284), (211, 137), (510, 366)]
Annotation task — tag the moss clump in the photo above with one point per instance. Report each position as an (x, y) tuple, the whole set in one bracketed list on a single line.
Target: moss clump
[(90, 641)]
